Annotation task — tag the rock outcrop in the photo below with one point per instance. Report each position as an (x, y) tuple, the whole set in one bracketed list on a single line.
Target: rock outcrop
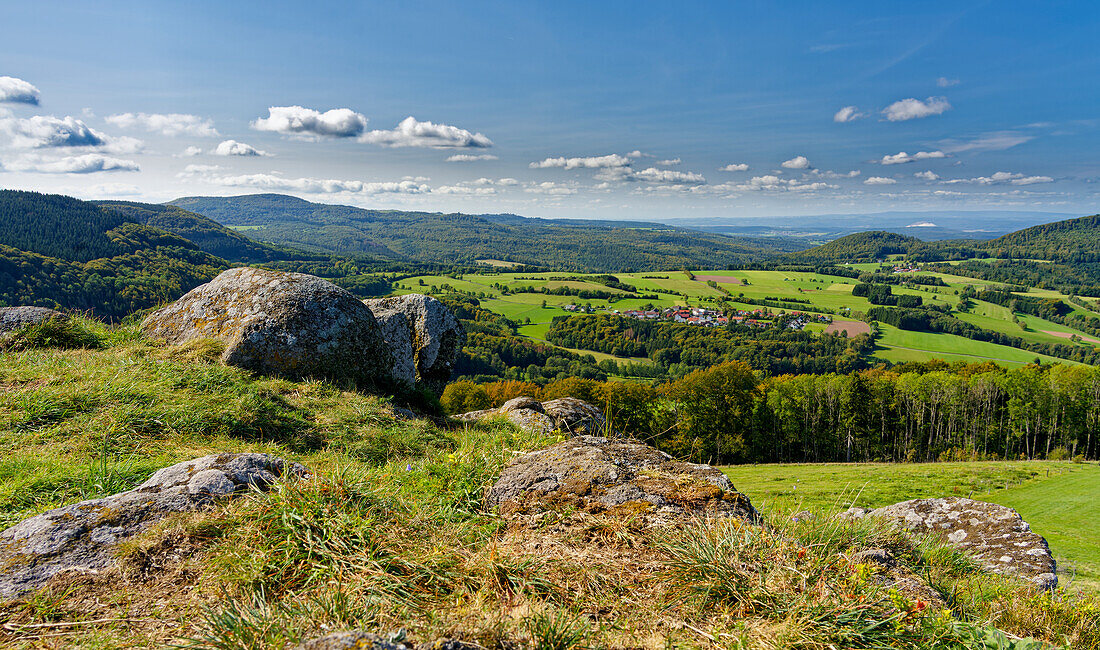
[(287, 324), (83, 536), (422, 328), (568, 415), (605, 475), (14, 318), (996, 536)]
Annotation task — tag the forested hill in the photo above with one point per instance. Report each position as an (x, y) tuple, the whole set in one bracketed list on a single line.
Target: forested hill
[(461, 238), (56, 251), (1072, 240), (860, 247), (207, 234)]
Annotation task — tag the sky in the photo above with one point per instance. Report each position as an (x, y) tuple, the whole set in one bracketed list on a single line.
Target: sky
[(616, 110)]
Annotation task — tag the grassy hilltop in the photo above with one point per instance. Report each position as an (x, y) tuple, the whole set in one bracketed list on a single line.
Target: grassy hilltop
[(390, 532)]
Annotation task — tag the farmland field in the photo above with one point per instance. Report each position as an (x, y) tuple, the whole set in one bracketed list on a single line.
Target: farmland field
[(804, 291), (1057, 498)]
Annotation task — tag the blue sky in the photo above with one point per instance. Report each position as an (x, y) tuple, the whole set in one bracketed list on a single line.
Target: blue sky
[(570, 109)]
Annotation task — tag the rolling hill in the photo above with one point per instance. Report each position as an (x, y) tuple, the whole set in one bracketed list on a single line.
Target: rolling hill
[(860, 247), (428, 237), (57, 251)]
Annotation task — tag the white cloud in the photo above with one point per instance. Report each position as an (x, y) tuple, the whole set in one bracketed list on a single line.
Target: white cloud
[(879, 180), (669, 162), (823, 173), (911, 109), (847, 114), (465, 190), (413, 133), (798, 162), (192, 170), (169, 124), (551, 188), (466, 157), (306, 122), (317, 185), (191, 151), (654, 175), (593, 162), (113, 189), (1000, 178), (902, 157), (927, 176), (418, 179), (234, 148), (83, 164), (507, 182), (43, 131), (771, 182), (17, 91), (735, 167), (944, 82)]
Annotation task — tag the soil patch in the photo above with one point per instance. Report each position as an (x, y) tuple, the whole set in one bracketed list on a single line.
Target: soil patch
[(1066, 335), (720, 279), (853, 327)]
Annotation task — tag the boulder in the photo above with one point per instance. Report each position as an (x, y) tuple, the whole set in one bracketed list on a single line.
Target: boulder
[(427, 330), (604, 475), (287, 324), (996, 536), (14, 318), (568, 415), (83, 536)]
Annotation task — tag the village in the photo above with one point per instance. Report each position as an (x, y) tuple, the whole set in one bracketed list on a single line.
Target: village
[(756, 318)]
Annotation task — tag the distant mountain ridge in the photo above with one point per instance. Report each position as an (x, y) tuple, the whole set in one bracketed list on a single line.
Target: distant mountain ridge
[(432, 237)]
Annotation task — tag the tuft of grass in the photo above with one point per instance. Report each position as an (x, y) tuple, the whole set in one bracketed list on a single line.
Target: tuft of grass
[(65, 333), (557, 630)]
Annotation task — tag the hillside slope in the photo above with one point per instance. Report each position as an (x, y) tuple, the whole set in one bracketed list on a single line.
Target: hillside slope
[(209, 235), (463, 238), (56, 251), (1072, 240), (860, 247)]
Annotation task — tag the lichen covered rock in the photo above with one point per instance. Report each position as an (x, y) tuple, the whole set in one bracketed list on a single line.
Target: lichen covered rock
[(604, 475), (426, 330), (287, 324), (83, 536), (15, 318), (568, 415), (996, 536)]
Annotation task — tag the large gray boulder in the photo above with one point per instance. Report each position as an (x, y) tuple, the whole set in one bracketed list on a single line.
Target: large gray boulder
[(996, 536), (14, 318), (567, 414), (83, 536), (422, 328), (287, 324), (605, 475)]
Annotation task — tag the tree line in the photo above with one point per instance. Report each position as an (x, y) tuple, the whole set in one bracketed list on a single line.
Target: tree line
[(916, 412)]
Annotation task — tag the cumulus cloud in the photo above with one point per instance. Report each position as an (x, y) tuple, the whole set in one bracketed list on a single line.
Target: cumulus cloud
[(84, 164), (17, 91), (192, 151), (1000, 178), (847, 114), (654, 175), (944, 82), (169, 124), (735, 167), (507, 182), (593, 162), (463, 189), (550, 188), (911, 109), (669, 162), (234, 148), (412, 133), (798, 162), (316, 185), (879, 180), (824, 173), (902, 157), (468, 157), (772, 182), (307, 122), (927, 176), (45, 131)]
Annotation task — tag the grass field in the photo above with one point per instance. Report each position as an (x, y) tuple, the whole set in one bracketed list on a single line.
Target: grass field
[(1058, 499), (824, 293)]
